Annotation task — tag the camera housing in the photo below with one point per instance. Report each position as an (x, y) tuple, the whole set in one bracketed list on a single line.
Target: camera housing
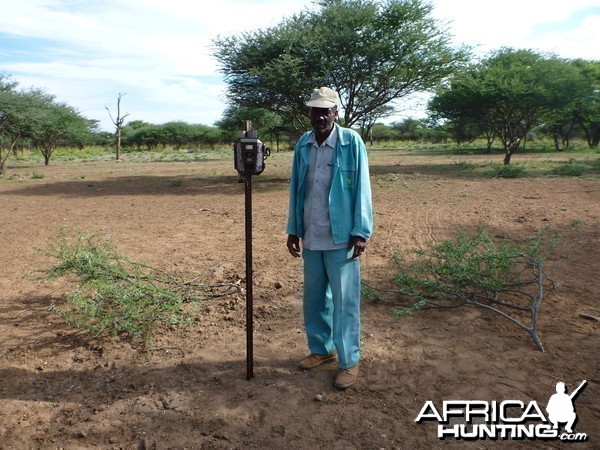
[(250, 153)]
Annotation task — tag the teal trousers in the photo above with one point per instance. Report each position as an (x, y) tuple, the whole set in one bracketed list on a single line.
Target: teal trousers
[(332, 304)]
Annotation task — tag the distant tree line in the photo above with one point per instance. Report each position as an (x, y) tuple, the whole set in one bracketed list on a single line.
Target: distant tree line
[(141, 135), (375, 54)]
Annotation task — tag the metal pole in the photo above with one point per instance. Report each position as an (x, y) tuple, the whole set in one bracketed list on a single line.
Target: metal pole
[(249, 315)]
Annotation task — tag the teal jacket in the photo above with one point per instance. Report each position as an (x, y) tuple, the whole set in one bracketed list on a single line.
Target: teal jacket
[(350, 205)]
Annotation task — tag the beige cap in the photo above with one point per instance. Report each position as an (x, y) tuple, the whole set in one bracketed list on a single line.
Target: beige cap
[(323, 97)]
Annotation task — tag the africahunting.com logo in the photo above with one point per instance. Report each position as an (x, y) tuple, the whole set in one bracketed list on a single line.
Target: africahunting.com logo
[(509, 419)]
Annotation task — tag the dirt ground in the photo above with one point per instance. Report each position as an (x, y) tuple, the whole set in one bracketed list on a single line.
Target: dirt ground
[(60, 388)]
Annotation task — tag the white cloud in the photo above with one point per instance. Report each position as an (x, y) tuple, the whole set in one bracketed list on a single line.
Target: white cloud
[(159, 52), (489, 25), (582, 42)]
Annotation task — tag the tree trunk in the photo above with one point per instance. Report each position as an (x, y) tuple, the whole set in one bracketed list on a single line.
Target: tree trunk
[(118, 122), (47, 154), (556, 142), (118, 142), (490, 142), (594, 136), (511, 145), (507, 156)]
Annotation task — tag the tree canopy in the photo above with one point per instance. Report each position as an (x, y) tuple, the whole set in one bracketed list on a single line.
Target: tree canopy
[(506, 95), (587, 108), (34, 116), (373, 53), (60, 124)]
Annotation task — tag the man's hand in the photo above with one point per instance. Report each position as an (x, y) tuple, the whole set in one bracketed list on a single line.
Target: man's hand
[(358, 243), (293, 245)]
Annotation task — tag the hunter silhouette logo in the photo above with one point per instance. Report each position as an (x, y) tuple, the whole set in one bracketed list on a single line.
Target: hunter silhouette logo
[(560, 407), (508, 419)]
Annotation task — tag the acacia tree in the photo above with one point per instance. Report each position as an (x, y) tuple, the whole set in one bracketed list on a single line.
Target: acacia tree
[(576, 101), (455, 108), (34, 115), (506, 94), (373, 53), (560, 125), (60, 124), (9, 130), (587, 109), (7, 106), (20, 115)]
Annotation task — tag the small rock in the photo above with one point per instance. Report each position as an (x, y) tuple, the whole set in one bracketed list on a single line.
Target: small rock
[(279, 430), (318, 397), (278, 285)]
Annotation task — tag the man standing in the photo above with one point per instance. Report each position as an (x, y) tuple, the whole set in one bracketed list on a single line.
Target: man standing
[(330, 210)]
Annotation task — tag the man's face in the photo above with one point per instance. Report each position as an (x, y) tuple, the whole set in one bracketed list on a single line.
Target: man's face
[(322, 119)]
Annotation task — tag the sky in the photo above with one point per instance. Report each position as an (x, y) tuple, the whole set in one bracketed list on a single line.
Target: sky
[(159, 52)]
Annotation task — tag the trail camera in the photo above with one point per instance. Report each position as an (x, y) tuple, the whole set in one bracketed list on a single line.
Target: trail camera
[(250, 153)]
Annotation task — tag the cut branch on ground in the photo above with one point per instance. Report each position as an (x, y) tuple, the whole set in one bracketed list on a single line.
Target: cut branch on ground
[(508, 279), (112, 295)]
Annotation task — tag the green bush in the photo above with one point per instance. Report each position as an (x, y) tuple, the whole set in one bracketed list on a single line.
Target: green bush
[(570, 169), (509, 171)]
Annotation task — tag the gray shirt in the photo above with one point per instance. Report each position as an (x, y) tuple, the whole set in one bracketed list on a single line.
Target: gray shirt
[(317, 226)]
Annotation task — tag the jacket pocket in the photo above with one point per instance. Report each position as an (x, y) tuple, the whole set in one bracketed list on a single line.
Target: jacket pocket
[(348, 172)]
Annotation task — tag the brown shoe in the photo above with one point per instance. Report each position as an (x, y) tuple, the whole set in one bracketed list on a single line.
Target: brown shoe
[(346, 377), (313, 360)]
